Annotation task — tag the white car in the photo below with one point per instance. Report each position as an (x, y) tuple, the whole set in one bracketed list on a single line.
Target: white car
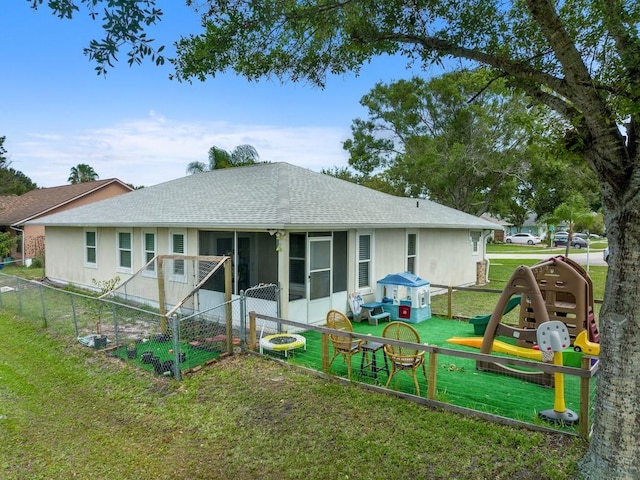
[(523, 238)]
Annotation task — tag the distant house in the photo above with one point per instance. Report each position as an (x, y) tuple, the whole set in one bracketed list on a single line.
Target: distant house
[(531, 226), (318, 237), (16, 211)]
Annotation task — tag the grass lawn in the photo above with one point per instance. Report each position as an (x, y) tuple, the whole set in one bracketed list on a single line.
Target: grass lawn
[(67, 411), (470, 304)]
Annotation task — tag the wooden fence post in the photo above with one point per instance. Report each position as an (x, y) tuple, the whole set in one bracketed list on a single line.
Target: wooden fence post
[(450, 302), (585, 400), (433, 373), (325, 352), (252, 331)]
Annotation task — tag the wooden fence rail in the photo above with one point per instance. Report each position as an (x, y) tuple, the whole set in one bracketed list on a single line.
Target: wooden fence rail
[(585, 373)]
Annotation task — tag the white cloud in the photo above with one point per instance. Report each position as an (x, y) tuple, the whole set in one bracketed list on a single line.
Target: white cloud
[(156, 149)]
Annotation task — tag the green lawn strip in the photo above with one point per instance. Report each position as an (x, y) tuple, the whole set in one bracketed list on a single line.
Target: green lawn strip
[(470, 303), (67, 411)]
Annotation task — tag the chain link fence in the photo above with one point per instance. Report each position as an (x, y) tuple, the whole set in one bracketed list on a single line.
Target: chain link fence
[(139, 336)]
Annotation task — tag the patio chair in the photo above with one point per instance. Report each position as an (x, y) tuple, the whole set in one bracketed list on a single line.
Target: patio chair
[(404, 358), (344, 345)]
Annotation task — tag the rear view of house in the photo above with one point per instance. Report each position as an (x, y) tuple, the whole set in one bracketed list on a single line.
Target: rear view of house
[(318, 237)]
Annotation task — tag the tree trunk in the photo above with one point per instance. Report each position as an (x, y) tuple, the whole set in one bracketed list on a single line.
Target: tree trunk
[(614, 451)]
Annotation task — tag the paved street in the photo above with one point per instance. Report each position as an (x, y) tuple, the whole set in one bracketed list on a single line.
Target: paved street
[(583, 257)]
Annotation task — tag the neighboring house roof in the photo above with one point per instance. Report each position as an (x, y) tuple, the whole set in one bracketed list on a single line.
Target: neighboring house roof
[(263, 196), (16, 210), (495, 220), (6, 201), (531, 221)]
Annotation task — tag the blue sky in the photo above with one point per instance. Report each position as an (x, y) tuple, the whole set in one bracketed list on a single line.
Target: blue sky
[(137, 125)]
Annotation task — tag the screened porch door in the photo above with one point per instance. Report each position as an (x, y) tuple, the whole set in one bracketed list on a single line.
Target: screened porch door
[(319, 278)]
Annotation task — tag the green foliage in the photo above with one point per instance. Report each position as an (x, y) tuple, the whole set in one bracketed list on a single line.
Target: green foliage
[(12, 182), (37, 262), (106, 286), (124, 23), (219, 158), (3, 152), (462, 139), (7, 243), (82, 173)]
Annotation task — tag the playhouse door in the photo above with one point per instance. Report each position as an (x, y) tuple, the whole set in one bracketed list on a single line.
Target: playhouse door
[(319, 278)]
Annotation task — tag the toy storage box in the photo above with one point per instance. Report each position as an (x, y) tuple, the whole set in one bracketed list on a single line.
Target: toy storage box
[(405, 297)]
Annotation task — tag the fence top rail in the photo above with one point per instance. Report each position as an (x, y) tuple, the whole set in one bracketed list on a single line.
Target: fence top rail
[(90, 297), (483, 357), (203, 312)]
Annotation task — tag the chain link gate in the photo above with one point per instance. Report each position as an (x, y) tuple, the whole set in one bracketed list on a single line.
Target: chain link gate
[(263, 299)]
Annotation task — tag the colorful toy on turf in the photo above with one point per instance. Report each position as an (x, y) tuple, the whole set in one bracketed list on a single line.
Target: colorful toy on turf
[(554, 337)]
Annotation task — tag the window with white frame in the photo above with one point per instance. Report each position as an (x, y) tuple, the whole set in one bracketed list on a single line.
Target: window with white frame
[(365, 241), (178, 247), (125, 253), (91, 248), (149, 251), (475, 241), (412, 252)]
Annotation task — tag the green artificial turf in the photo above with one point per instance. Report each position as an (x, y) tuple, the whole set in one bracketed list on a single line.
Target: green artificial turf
[(163, 350), (458, 381)]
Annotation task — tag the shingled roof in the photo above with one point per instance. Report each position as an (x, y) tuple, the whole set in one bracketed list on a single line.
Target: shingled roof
[(263, 196), (16, 210)]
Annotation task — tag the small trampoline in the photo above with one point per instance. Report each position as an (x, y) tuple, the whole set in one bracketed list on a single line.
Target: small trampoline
[(282, 342)]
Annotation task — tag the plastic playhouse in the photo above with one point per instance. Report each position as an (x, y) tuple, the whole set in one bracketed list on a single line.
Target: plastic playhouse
[(405, 296), (557, 289)]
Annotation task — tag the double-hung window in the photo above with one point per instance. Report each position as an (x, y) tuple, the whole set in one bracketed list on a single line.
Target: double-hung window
[(178, 242), (412, 252), (149, 249), (125, 252), (91, 248), (365, 270)]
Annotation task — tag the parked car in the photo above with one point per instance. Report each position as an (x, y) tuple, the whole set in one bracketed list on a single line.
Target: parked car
[(523, 238), (577, 241), (605, 254)]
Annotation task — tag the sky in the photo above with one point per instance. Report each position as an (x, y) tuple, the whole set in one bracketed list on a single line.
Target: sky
[(139, 126)]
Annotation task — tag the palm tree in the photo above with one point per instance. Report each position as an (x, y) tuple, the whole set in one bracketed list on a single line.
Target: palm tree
[(572, 212), (220, 158), (82, 173)]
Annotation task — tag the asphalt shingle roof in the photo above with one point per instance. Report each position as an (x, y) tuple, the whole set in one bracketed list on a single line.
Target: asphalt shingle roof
[(270, 195), (18, 209)]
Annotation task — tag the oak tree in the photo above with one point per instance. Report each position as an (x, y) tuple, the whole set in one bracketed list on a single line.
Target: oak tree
[(578, 57)]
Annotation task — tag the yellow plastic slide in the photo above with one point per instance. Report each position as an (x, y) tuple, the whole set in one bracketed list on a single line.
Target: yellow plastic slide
[(499, 346)]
